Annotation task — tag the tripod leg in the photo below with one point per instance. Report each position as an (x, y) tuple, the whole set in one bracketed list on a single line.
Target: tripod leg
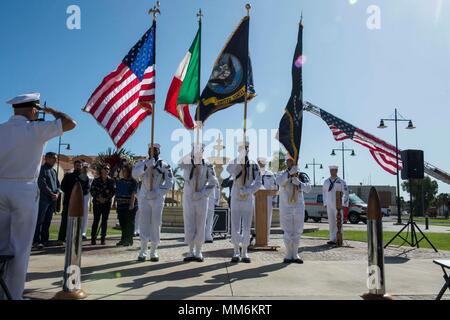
[(398, 233), (445, 287), (423, 237)]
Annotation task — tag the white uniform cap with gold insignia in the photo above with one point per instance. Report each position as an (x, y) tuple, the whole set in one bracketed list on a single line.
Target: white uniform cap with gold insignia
[(262, 160), (155, 145), (243, 144), (26, 100), (334, 167)]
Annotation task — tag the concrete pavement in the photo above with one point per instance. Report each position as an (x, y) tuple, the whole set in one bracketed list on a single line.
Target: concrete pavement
[(109, 272)]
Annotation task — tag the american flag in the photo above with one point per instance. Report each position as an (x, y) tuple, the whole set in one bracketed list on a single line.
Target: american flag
[(384, 154), (127, 95)]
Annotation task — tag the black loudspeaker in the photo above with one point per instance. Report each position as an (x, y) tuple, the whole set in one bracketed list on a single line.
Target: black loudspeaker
[(413, 164)]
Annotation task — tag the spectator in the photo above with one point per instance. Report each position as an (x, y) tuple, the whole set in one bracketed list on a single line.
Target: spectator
[(103, 190), (126, 189), (85, 176), (49, 192), (67, 184)]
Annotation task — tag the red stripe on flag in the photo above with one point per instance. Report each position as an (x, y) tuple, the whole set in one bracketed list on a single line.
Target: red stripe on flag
[(131, 129)]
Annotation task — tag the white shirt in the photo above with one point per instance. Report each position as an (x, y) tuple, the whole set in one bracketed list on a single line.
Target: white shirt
[(22, 146), (329, 196)]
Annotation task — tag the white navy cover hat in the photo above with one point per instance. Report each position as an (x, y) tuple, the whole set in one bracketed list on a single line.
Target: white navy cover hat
[(334, 167), (155, 145), (262, 160), (26, 100), (243, 144)]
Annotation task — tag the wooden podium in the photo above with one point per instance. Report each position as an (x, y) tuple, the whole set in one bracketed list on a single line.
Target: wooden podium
[(261, 226)]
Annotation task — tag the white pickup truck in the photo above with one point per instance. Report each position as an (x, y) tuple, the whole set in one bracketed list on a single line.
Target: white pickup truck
[(314, 210)]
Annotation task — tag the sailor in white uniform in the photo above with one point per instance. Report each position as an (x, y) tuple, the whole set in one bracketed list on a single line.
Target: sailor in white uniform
[(199, 183), (213, 201), (268, 183), (23, 143), (330, 186), (246, 181), (157, 179), (293, 184)]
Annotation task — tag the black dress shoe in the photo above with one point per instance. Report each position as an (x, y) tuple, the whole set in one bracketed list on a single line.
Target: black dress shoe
[(298, 260), (103, 242), (199, 259), (235, 259), (154, 259), (84, 238), (285, 260), (331, 243), (120, 243), (141, 259), (93, 242), (246, 260), (209, 241), (189, 259)]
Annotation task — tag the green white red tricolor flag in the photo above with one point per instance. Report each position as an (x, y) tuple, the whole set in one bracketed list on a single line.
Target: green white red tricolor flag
[(185, 87)]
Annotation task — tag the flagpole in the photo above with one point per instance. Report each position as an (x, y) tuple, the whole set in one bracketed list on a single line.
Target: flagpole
[(247, 7), (154, 11), (199, 15)]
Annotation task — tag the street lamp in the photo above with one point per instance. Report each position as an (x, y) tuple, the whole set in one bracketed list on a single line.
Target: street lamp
[(409, 127), (314, 165), (67, 145), (343, 150)]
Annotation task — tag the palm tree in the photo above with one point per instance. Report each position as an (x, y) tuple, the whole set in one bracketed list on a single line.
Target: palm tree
[(115, 159), (179, 181), (278, 162)]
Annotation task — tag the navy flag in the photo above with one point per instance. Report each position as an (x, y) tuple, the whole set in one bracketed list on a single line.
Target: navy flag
[(231, 78), (290, 129)]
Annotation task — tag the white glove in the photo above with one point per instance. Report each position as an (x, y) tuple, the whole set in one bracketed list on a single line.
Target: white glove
[(296, 181), (152, 195), (150, 162), (293, 170), (198, 195), (244, 191)]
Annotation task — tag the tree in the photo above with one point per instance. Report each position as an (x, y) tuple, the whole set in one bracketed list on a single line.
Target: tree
[(423, 193), (115, 158), (278, 162)]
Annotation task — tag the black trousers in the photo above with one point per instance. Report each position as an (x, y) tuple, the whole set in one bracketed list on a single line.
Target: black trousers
[(63, 225), (101, 211), (126, 220), (45, 215)]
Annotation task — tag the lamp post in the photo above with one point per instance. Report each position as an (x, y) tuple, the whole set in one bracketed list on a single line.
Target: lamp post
[(343, 150), (314, 165), (409, 127), (67, 145)]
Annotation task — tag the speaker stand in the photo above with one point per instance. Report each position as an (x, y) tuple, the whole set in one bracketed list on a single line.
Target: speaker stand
[(414, 242)]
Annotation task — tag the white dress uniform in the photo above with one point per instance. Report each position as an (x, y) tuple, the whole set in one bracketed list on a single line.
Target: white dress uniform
[(151, 202), (292, 209), (268, 181), (242, 203), (213, 201), (199, 183), (21, 151), (329, 189)]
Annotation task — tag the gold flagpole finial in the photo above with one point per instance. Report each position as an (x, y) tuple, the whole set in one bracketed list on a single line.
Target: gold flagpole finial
[(155, 10), (199, 15), (248, 7)]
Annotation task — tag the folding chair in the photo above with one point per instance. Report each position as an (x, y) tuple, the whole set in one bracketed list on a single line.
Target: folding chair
[(3, 265), (444, 264)]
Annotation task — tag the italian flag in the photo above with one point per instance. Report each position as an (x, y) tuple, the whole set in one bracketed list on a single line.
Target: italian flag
[(185, 87)]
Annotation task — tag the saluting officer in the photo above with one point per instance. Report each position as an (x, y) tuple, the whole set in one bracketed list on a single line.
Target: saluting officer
[(157, 179), (330, 186), (23, 143)]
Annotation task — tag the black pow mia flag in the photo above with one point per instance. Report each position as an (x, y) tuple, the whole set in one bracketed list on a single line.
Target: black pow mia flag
[(231, 79), (290, 129)]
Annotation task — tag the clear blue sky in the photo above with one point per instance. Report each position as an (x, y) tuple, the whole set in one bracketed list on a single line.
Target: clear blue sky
[(358, 74)]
